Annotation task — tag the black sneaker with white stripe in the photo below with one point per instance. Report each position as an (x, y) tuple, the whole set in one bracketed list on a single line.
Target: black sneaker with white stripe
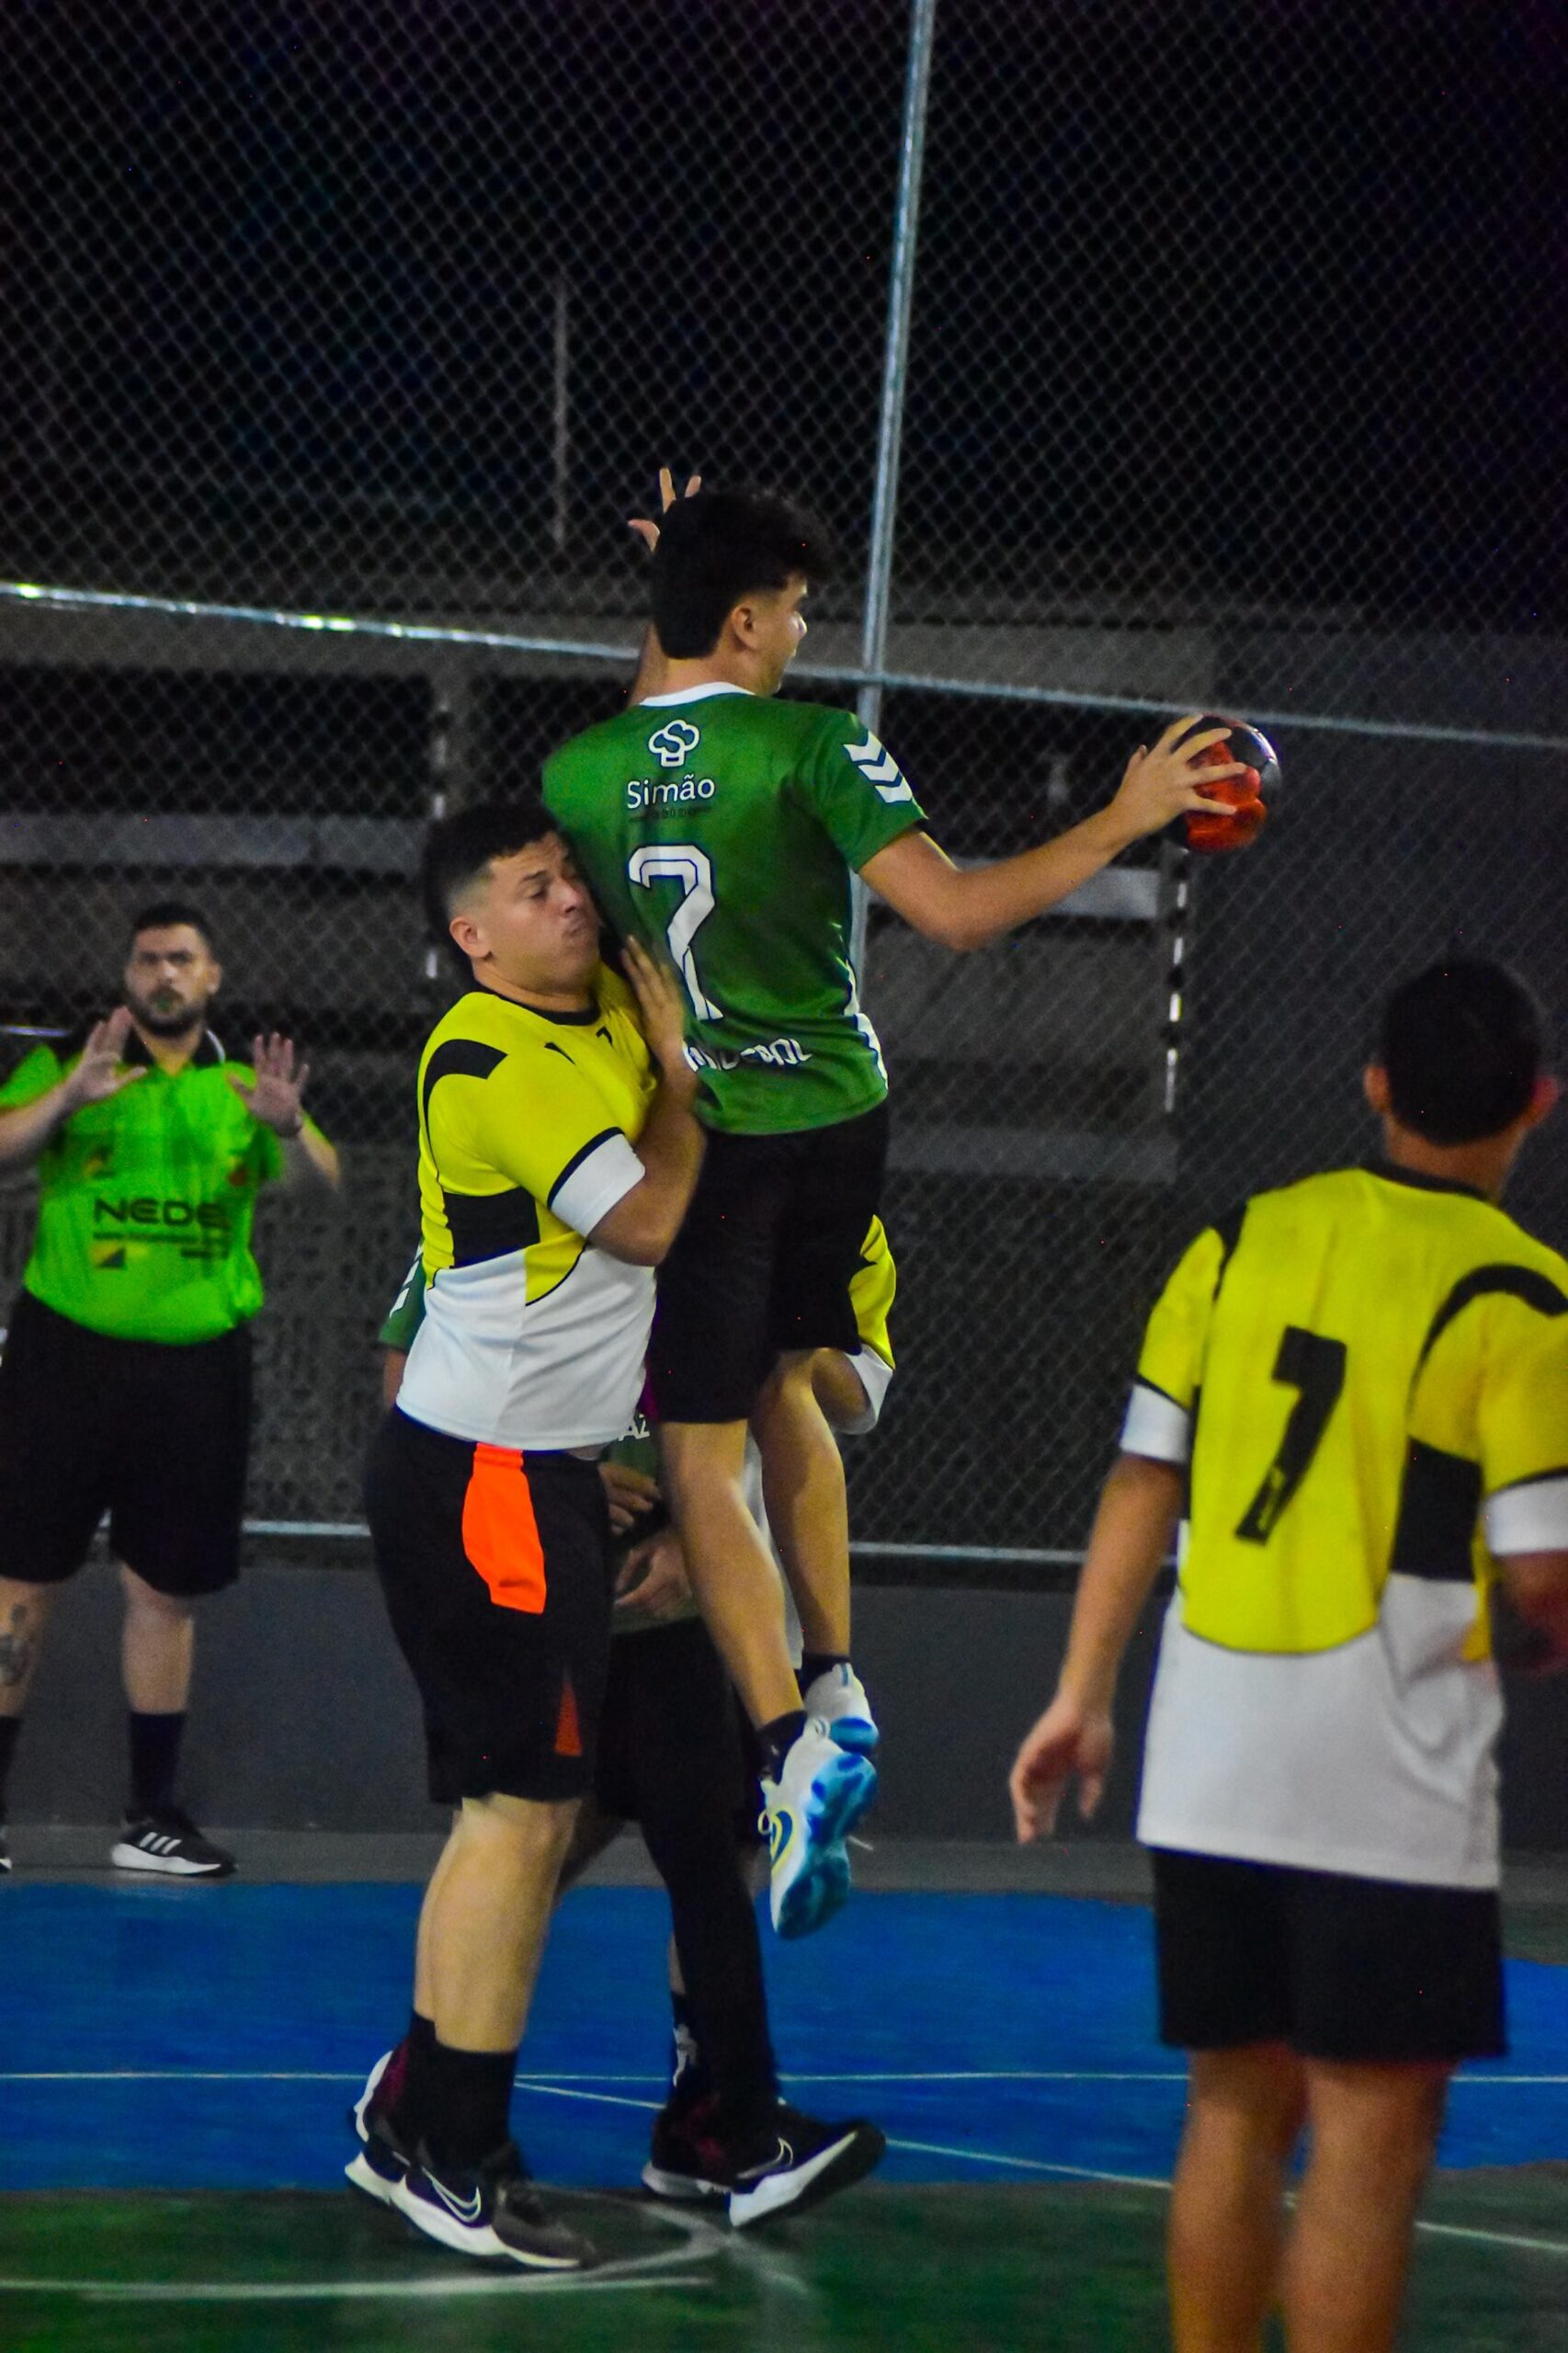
[(169, 1843), (797, 2162), (495, 2213), (5, 1852)]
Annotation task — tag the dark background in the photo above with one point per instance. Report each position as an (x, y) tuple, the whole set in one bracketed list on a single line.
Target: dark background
[(1252, 297)]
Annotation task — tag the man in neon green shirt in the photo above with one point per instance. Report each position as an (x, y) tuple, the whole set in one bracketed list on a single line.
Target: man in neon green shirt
[(125, 1385)]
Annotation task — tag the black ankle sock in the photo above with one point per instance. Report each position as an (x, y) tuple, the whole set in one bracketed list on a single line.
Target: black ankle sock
[(815, 1662), (776, 1738), (10, 1728), (690, 2079), (468, 2099), (408, 2076), (155, 1760)]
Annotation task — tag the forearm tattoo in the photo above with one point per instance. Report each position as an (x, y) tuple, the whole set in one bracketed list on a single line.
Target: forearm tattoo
[(19, 1648)]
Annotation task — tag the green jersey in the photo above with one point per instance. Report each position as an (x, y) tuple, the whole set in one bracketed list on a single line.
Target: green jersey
[(723, 829), (145, 1201)]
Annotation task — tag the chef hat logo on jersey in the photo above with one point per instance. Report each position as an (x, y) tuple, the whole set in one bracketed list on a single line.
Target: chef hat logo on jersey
[(674, 742)]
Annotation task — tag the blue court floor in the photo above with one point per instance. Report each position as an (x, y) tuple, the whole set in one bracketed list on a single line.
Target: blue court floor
[(209, 2037)]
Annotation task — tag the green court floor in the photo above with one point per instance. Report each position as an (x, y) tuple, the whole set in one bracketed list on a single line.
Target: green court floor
[(992, 2269)]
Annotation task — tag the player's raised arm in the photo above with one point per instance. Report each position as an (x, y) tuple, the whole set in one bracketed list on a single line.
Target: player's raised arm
[(969, 907), (652, 666)]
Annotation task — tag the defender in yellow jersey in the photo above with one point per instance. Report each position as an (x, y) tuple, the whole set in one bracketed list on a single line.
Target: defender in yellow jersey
[(553, 1174), (531, 1338), (1360, 1382)]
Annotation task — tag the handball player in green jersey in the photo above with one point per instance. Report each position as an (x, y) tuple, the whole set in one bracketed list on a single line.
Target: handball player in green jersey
[(725, 829)]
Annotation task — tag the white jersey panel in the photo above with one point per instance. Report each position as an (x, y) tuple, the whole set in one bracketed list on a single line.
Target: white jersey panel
[(1393, 1734), (489, 1364), (1528, 1518)]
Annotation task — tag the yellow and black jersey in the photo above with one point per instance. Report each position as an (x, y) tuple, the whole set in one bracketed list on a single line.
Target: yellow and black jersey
[(531, 1338), (872, 1288), (1367, 1376)]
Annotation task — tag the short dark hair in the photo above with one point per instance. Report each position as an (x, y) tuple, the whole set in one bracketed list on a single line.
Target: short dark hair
[(719, 547), (459, 848), (1462, 1044), (164, 913)]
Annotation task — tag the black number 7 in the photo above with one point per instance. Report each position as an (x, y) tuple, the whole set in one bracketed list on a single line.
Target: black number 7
[(1307, 1362)]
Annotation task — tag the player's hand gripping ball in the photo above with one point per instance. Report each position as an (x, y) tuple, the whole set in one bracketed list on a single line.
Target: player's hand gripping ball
[(1241, 802)]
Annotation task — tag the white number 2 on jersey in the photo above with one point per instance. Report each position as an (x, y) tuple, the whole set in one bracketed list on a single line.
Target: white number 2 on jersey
[(684, 863)]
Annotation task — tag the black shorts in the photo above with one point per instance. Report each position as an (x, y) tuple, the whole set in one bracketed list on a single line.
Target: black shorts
[(1339, 1967), (763, 1264), (673, 1731), (157, 1436), (495, 1568)]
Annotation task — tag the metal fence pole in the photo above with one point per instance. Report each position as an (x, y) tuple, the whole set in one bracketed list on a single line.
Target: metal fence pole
[(896, 364), (895, 371)]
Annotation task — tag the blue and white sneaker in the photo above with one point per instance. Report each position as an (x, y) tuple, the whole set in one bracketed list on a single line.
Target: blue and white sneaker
[(495, 2213), (820, 1793), (838, 1697), (382, 2157)]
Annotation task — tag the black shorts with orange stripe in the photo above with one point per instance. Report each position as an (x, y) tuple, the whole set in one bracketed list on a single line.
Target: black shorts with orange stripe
[(495, 1568)]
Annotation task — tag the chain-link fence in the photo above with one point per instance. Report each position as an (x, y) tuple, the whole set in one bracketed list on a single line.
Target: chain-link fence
[(1232, 381)]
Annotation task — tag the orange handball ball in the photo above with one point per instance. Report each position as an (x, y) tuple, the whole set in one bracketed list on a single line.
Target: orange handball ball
[(1241, 802)]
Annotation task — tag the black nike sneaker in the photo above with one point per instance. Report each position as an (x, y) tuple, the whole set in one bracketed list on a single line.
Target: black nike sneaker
[(688, 2161), (797, 2162), (493, 2213)]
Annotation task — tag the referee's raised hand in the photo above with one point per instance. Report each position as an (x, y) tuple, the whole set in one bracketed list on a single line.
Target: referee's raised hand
[(100, 1072), (274, 1099)]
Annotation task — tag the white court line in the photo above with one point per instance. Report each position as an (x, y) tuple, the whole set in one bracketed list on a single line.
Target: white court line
[(929, 2075), (1154, 2181), (1064, 2173), (246, 2291), (1493, 2238), (572, 2088), (1032, 2165), (668, 2268)]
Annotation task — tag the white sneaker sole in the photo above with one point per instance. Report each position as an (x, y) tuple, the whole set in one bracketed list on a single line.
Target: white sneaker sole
[(132, 1858), (844, 2161), (680, 2188), (480, 2244), (812, 1883), (363, 2175)]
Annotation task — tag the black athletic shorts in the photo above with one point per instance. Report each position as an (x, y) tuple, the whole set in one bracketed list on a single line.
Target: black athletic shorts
[(763, 1264), (1338, 1968), (673, 1731), (157, 1436), (495, 1568)]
